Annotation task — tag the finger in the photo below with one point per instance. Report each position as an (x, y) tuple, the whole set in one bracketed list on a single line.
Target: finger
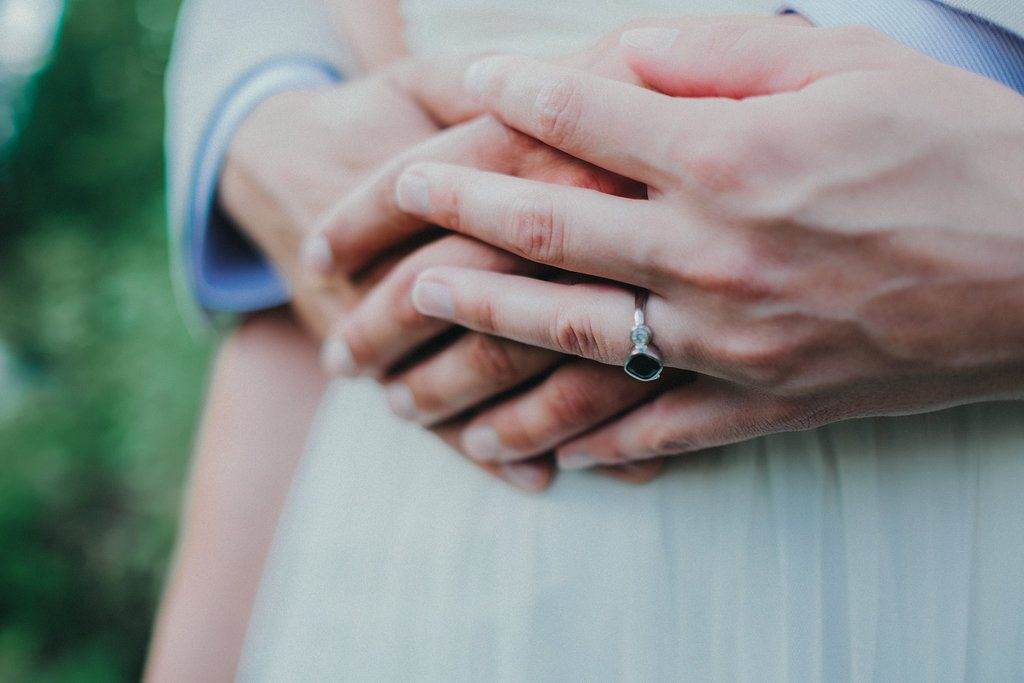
[(571, 228), (738, 58), (473, 369), (367, 221), (436, 85), (695, 417), (573, 399), (574, 112), (532, 476), (639, 472), (588, 320), (386, 326)]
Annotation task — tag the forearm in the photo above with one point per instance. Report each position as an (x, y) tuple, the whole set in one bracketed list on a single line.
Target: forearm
[(264, 392), (227, 57)]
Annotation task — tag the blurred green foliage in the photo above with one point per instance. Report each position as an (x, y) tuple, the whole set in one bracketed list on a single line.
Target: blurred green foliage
[(100, 403)]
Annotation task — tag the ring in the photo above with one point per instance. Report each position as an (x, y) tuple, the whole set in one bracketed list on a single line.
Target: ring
[(644, 362)]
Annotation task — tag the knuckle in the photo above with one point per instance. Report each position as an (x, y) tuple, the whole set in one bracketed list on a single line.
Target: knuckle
[(571, 403), (735, 271), (716, 164), (668, 440), (573, 333), (536, 229), (558, 110), (483, 314), (757, 358), (491, 359), (451, 207)]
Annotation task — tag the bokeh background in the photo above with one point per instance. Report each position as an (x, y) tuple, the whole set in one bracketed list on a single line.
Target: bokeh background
[(99, 380)]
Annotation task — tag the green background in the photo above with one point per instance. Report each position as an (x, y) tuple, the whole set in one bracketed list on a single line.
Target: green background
[(102, 382)]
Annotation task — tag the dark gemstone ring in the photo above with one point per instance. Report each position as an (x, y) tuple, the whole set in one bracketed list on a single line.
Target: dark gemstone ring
[(644, 362)]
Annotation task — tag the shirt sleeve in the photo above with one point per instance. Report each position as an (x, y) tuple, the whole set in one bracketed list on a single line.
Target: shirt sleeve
[(227, 57), (226, 272), (938, 30)]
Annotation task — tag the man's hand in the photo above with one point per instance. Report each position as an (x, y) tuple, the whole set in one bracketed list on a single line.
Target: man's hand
[(834, 230)]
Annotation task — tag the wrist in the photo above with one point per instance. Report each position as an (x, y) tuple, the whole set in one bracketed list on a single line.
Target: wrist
[(246, 182)]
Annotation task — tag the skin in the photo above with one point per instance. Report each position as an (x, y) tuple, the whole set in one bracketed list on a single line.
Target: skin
[(299, 151), (560, 403), (279, 178), (833, 230), (235, 497), (372, 30), (362, 253)]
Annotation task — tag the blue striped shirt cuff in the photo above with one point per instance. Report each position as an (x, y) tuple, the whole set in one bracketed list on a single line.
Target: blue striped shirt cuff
[(226, 271), (947, 34)]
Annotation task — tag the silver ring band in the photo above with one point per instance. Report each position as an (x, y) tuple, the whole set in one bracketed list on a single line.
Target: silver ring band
[(644, 362)]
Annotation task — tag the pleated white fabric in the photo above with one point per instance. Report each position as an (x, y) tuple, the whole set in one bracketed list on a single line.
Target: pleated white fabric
[(886, 549), (871, 550)]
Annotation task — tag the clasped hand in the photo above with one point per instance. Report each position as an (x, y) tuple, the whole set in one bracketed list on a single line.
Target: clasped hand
[(828, 222), (834, 228)]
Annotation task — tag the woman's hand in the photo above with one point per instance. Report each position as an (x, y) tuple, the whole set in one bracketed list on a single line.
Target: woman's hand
[(298, 151), (834, 229)]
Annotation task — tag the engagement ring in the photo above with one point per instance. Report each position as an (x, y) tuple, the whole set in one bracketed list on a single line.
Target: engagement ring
[(644, 362)]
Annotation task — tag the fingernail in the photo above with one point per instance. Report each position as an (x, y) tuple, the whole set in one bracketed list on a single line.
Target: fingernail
[(336, 359), (529, 476), (483, 443), (316, 255), (653, 40), (576, 461), (402, 402), (413, 193), (433, 299), (479, 76)]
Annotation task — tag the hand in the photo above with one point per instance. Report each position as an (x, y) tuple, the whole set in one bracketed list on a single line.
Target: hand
[(563, 400), (298, 151), (834, 230)]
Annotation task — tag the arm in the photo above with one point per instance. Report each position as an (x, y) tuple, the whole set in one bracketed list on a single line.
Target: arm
[(227, 58), (245, 456)]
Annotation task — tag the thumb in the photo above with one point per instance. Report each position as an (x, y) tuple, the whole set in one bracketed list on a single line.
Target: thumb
[(436, 85), (737, 59)]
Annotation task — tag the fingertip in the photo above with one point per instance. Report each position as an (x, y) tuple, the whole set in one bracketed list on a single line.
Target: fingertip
[(336, 359), (652, 41), (412, 191), (533, 477), (481, 76), (402, 401), (433, 298), (576, 460), (640, 472), (316, 255)]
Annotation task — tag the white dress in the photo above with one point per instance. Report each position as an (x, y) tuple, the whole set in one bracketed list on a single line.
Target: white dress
[(884, 549)]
